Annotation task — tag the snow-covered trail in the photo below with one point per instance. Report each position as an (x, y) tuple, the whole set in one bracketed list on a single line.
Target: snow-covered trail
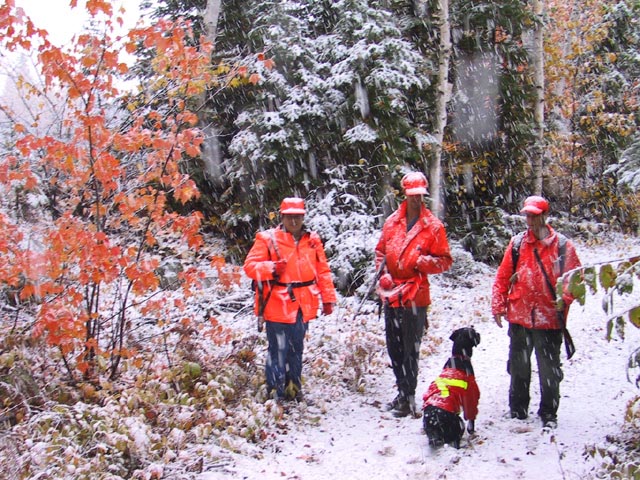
[(350, 436)]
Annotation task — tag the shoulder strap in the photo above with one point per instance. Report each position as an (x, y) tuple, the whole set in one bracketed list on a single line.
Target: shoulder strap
[(515, 248), (274, 244), (544, 274), (562, 248), (258, 285)]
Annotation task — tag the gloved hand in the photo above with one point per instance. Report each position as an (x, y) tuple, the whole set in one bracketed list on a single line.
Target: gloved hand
[(498, 319), (386, 282), (327, 308), (471, 426), (279, 267), (424, 263)]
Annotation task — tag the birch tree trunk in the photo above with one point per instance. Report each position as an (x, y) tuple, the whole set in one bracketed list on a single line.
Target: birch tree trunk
[(538, 72), (443, 96), (210, 18), (211, 149)]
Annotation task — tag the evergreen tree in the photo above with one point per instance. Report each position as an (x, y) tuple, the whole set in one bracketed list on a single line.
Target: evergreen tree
[(339, 94), (491, 122)]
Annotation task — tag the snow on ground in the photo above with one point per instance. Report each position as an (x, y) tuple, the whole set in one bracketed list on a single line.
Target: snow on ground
[(346, 434)]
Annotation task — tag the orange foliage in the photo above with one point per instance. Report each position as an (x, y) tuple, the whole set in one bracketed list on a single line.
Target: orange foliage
[(254, 78), (217, 333), (500, 35), (113, 181), (228, 275), (96, 6)]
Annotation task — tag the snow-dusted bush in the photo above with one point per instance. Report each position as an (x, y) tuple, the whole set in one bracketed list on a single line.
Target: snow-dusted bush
[(349, 232), (488, 238), (628, 170), (619, 455)]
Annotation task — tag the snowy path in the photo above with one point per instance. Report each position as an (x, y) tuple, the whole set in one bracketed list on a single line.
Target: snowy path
[(355, 439)]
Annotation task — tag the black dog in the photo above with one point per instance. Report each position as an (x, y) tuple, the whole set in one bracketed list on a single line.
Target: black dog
[(454, 390)]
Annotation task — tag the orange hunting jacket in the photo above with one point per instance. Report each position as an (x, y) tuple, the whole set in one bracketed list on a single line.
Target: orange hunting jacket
[(527, 300), (401, 250), (307, 276)]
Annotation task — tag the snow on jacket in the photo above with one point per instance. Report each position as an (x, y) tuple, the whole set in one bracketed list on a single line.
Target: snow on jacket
[(306, 278), (454, 390), (401, 249), (528, 301)]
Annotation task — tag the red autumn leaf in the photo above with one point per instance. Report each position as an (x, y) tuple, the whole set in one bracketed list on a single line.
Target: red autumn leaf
[(254, 78), (269, 64)]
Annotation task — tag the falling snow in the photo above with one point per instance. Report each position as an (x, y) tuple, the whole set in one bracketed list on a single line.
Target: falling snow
[(348, 434)]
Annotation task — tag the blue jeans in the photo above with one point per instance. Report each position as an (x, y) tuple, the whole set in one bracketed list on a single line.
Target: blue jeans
[(284, 354)]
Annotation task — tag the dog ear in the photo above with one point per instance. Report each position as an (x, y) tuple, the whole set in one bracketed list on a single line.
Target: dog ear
[(454, 336)]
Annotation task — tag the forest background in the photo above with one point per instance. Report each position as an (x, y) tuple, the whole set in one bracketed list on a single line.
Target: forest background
[(120, 179)]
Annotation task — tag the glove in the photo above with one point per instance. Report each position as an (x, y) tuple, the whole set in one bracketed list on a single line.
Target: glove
[(424, 263), (279, 267), (471, 427), (327, 308), (386, 282)]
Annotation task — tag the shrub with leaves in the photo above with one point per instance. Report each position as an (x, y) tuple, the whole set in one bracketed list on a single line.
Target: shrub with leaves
[(107, 168), (619, 454), (618, 279)]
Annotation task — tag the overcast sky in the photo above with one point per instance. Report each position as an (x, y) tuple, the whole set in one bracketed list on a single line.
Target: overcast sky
[(62, 22)]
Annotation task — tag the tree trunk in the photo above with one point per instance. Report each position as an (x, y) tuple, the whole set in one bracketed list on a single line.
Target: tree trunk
[(210, 150), (210, 18), (443, 96), (538, 72)]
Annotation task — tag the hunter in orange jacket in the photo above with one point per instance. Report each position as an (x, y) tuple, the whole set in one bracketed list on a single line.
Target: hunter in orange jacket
[(524, 293), (411, 256), (413, 245), (290, 270)]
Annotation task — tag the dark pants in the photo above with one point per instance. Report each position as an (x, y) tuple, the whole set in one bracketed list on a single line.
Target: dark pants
[(442, 426), (284, 354), (404, 329), (546, 344)]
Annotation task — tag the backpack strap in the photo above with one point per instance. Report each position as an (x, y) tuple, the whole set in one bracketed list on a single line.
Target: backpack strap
[(259, 284), (515, 249)]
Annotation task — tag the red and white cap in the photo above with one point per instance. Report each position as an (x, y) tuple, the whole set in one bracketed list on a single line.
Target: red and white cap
[(292, 206), (535, 205), (414, 183)]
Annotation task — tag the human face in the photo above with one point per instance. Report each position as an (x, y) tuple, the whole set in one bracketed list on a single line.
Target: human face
[(293, 223), (536, 223), (414, 202)]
